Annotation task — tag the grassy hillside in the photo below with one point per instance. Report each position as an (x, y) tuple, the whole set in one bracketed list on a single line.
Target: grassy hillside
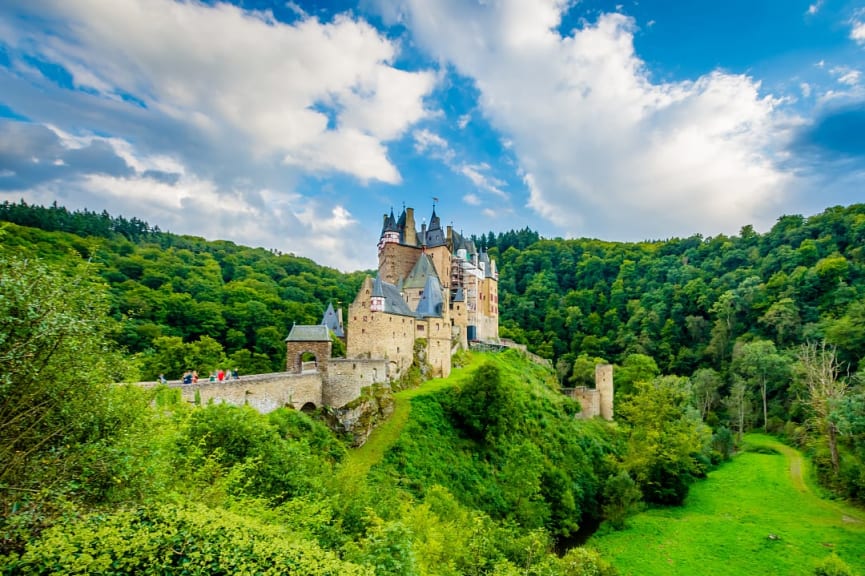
[(755, 515)]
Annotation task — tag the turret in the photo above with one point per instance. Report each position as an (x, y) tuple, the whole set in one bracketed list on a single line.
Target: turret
[(389, 231), (376, 300)]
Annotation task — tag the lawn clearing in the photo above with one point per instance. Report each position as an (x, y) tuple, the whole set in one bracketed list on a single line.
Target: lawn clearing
[(754, 515)]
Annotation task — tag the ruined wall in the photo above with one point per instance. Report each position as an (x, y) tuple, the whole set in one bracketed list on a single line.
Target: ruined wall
[(346, 377), (604, 384), (589, 399), (597, 401)]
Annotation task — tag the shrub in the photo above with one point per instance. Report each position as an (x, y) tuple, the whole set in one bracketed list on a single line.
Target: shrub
[(171, 539), (832, 565)]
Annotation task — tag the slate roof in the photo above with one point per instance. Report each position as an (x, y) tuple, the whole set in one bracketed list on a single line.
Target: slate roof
[(306, 333), (435, 236), (389, 224), (423, 268), (460, 296), (432, 302), (393, 302), (331, 320)]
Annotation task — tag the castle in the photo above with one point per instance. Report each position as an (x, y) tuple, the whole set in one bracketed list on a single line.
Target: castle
[(433, 287), (434, 293)]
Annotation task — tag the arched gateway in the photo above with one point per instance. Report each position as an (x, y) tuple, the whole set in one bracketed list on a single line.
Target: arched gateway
[(308, 342)]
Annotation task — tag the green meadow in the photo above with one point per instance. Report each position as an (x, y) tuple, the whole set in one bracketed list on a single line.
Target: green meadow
[(755, 515)]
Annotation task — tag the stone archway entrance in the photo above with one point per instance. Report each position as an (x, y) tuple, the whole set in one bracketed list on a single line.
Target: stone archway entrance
[(308, 349)]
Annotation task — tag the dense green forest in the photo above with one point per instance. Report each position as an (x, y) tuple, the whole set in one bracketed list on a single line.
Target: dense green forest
[(710, 338), (182, 302)]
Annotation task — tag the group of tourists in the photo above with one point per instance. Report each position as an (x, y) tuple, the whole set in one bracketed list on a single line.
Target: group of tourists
[(221, 375), (191, 376)]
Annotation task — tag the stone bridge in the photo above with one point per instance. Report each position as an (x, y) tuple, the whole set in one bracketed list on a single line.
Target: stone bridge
[(310, 389)]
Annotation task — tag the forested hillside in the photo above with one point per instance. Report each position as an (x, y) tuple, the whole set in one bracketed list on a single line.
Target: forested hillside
[(749, 319), (685, 302), (182, 302), (729, 313)]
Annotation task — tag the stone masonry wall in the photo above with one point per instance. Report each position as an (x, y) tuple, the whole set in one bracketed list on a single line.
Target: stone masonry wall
[(346, 377), (295, 350), (264, 392), (397, 261), (604, 384)]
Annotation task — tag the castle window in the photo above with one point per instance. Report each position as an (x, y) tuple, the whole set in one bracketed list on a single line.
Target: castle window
[(363, 330), (420, 327)]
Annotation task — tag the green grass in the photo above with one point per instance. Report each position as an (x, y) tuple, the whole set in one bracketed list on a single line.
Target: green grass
[(360, 460), (727, 520)]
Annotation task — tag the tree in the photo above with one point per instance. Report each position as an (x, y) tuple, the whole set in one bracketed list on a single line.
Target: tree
[(760, 364), (783, 316), (739, 405), (635, 368), (722, 332), (705, 384), (56, 367), (484, 405), (819, 371), (665, 440)]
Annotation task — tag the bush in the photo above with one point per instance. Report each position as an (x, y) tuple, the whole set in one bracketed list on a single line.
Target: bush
[(621, 496), (484, 405), (723, 443), (832, 565), (171, 539)]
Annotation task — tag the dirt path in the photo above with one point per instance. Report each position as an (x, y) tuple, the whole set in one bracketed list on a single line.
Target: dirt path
[(797, 476)]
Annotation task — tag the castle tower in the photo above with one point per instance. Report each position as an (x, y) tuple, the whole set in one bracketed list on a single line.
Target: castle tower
[(604, 386), (459, 318), (438, 250), (398, 249)]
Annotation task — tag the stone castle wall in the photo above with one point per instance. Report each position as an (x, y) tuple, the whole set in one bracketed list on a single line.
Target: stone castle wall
[(264, 392), (437, 332), (346, 377), (604, 384), (397, 261), (597, 401)]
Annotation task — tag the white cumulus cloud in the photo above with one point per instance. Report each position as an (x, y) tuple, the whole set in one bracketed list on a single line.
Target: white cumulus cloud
[(226, 70), (604, 149)]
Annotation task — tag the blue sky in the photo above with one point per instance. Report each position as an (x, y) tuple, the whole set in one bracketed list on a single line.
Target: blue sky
[(296, 125)]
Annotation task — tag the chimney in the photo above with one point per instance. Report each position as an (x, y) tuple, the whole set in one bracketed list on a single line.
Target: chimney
[(410, 231)]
